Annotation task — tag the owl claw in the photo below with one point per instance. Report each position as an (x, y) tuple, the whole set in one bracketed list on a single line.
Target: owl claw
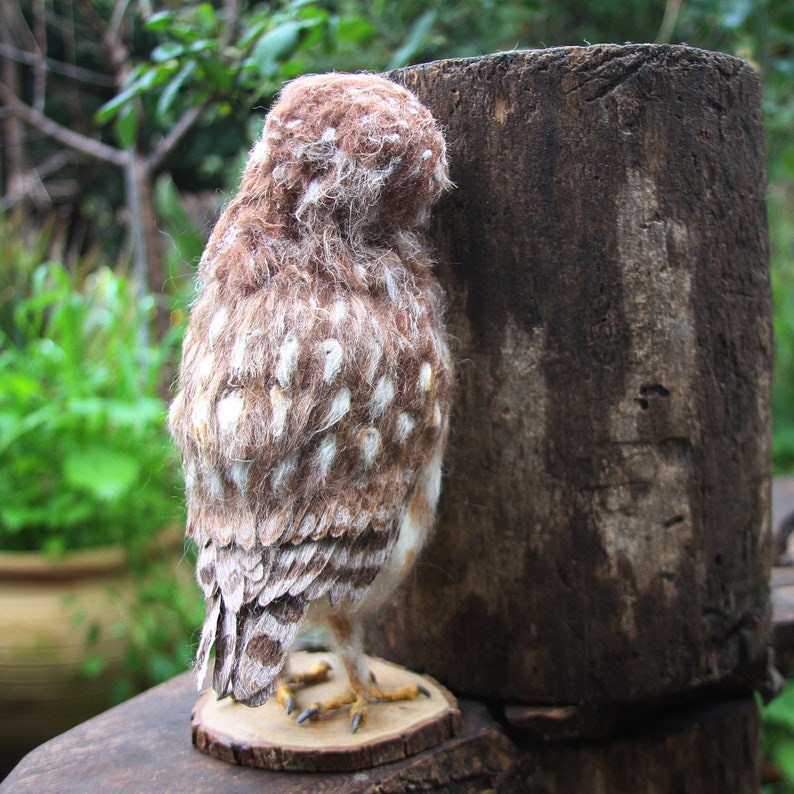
[(314, 675), (285, 697), (310, 712), (359, 701)]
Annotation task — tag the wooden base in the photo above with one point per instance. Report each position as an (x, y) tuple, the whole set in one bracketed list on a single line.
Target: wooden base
[(266, 737)]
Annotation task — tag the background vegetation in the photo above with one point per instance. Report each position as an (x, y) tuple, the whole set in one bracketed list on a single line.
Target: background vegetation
[(124, 125)]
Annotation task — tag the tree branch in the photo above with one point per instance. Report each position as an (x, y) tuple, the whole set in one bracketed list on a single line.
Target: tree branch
[(176, 134), (74, 140), (56, 67), (671, 11)]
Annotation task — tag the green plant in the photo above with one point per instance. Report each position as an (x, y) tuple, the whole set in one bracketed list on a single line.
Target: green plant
[(778, 743), (84, 457), (781, 239)]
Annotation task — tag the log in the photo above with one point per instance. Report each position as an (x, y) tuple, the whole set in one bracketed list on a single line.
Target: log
[(604, 520)]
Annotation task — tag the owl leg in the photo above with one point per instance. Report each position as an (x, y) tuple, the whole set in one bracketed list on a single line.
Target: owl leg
[(314, 675), (363, 688)]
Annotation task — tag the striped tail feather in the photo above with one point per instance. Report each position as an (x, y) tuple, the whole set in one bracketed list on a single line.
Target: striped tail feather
[(266, 635)]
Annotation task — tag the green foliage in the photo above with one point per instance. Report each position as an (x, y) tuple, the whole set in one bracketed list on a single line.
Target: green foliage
[(84, 456), (778, 741), (194, 59), (781, 239)]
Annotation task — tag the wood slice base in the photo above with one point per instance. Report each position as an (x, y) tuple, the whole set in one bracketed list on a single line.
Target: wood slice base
[(266, 737)]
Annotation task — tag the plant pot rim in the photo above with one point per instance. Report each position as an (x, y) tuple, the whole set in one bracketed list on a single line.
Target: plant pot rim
[(75, 564)]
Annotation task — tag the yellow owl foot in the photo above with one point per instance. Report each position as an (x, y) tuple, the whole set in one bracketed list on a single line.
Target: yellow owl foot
[(314, 675), (359, 701)]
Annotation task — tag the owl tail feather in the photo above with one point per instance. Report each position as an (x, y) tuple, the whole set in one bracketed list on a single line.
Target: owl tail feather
[(252, 646), (212, 608)]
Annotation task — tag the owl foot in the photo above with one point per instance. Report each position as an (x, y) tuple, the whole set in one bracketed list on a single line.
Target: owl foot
[(359, 701), (314, 675)]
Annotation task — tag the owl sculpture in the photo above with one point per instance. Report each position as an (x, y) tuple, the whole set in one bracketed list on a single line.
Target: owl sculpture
[(315, 385)]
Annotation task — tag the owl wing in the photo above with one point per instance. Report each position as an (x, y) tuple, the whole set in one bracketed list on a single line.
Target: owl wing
[(304, 416)]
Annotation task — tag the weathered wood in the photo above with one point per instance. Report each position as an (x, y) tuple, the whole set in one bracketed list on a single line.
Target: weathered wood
[(144, 746), (266, 737), (604, 520)]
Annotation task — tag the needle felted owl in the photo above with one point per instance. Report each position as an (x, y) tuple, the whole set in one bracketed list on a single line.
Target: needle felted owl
[(315, 384)]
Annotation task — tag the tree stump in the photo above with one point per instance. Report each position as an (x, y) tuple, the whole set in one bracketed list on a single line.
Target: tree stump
[(603, 532)]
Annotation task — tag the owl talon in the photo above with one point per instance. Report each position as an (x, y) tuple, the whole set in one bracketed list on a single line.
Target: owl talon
[(310, 712), (359, 702), (316, 674), (285, 697)]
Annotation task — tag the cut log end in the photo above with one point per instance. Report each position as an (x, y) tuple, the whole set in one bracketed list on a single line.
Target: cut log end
[(267, 738)]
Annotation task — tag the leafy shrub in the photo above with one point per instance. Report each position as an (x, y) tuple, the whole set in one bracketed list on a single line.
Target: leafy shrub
[(83, 453), (778, 743), (85, 460)]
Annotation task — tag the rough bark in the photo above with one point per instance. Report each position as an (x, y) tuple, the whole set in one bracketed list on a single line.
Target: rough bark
[(603, 530)]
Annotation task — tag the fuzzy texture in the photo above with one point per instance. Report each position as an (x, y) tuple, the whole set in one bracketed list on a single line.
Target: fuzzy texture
[(315, 382)]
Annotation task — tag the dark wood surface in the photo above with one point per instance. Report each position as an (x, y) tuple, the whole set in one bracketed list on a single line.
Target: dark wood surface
[(144, 746), (605, 259)]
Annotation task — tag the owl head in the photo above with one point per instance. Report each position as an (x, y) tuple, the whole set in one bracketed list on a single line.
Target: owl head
[(356, 153)]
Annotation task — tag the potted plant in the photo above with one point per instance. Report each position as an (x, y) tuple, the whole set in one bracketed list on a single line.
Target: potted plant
[(88, 482)]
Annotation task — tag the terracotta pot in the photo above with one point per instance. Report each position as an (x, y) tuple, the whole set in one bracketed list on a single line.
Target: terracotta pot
[(62, 641)]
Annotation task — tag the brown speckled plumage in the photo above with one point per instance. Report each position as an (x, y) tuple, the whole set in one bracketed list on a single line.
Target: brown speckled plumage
[(315, 382)]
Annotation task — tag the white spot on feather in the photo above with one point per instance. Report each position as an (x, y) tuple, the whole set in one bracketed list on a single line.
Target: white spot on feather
[(287, 360), (206, 368), (212, 482), (425, 381), (280, 404), (311, 195), (217, 325), (436, 420), (338, 311), (293, 123), (340, 405), (427, 154), (329, 135), (332, 353), (404, 427), (260, 151), (239, 472), (228, 411), (237, 360), (382, 396), (177, 404), (283, 472), (326, 453), (190, 474), (370, 443), (200, 415)]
